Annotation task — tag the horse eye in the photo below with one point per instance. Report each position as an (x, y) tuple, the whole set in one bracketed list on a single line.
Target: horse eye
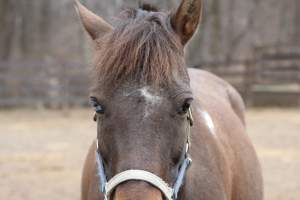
[(185, 106), (99, 109)]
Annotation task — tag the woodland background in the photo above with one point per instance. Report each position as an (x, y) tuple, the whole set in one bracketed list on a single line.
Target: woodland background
[(50, 30), (45, 54)]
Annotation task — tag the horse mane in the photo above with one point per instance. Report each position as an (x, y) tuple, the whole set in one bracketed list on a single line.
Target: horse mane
[(141, 47)]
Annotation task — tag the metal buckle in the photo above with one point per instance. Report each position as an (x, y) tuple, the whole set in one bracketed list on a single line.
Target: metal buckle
[(97, 144), (190, 117)]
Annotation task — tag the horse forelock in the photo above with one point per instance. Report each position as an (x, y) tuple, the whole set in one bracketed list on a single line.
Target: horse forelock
[(142, 47)]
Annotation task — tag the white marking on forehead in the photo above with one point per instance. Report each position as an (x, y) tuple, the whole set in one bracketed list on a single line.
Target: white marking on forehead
[(209, 121), (151, 100)]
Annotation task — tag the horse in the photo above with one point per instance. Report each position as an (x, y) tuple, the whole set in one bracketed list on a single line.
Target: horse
[(163, 131)]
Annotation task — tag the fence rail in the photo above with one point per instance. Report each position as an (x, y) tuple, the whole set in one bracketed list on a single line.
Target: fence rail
[(271, 76), (65, 84), (42, 84)]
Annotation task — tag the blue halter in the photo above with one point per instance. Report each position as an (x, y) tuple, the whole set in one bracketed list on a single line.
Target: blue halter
[(179, 179)]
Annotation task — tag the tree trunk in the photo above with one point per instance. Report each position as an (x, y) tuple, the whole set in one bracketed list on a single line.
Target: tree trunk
[(297, 22)]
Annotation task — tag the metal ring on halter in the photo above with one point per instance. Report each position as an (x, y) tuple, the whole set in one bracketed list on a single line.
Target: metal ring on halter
[(190, 117)]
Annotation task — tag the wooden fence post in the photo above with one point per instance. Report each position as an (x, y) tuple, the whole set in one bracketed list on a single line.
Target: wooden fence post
[(299, 84), (249, 81)]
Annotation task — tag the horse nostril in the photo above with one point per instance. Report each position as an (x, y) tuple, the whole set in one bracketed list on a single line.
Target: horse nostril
[(137, 190)]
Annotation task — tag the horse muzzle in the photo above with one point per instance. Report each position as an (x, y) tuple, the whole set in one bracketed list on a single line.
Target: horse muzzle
[(136, 190)]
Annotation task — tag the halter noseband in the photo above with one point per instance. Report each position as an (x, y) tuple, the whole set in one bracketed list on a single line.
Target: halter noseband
[(170, 193)]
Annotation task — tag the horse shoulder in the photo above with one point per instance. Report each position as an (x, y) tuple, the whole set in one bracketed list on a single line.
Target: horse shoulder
[(232, 151), (201, 79)]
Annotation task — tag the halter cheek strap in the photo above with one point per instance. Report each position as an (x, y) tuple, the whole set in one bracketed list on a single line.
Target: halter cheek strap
[(170, 193)]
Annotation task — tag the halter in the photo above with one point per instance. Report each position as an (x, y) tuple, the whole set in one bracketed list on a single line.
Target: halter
[(170, 193)]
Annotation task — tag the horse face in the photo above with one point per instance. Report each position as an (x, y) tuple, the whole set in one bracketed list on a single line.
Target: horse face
[(142, 123), (143, 128)]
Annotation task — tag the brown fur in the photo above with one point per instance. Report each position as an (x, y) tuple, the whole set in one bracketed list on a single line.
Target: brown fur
[(143, 52)]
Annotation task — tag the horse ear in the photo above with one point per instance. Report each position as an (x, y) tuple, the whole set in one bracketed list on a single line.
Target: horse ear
[(186, 19), (93, 24)]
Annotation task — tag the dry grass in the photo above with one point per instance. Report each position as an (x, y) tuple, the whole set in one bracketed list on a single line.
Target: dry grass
[(42, 152)]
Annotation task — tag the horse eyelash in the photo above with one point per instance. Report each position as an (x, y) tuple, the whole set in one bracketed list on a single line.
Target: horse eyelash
[(99, 109)]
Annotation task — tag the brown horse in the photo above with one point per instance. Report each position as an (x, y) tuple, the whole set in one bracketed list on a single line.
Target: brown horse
[(142, 94)]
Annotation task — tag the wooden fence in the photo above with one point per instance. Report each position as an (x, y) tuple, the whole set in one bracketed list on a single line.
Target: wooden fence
[(272, 76), (43, 84)]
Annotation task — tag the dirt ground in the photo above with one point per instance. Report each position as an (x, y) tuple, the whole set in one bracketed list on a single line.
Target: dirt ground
[(42, 152)]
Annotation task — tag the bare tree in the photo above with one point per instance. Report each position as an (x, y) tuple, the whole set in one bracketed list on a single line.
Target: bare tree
[(7, 21), (236, 38), (297, 22), (43, 29)]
